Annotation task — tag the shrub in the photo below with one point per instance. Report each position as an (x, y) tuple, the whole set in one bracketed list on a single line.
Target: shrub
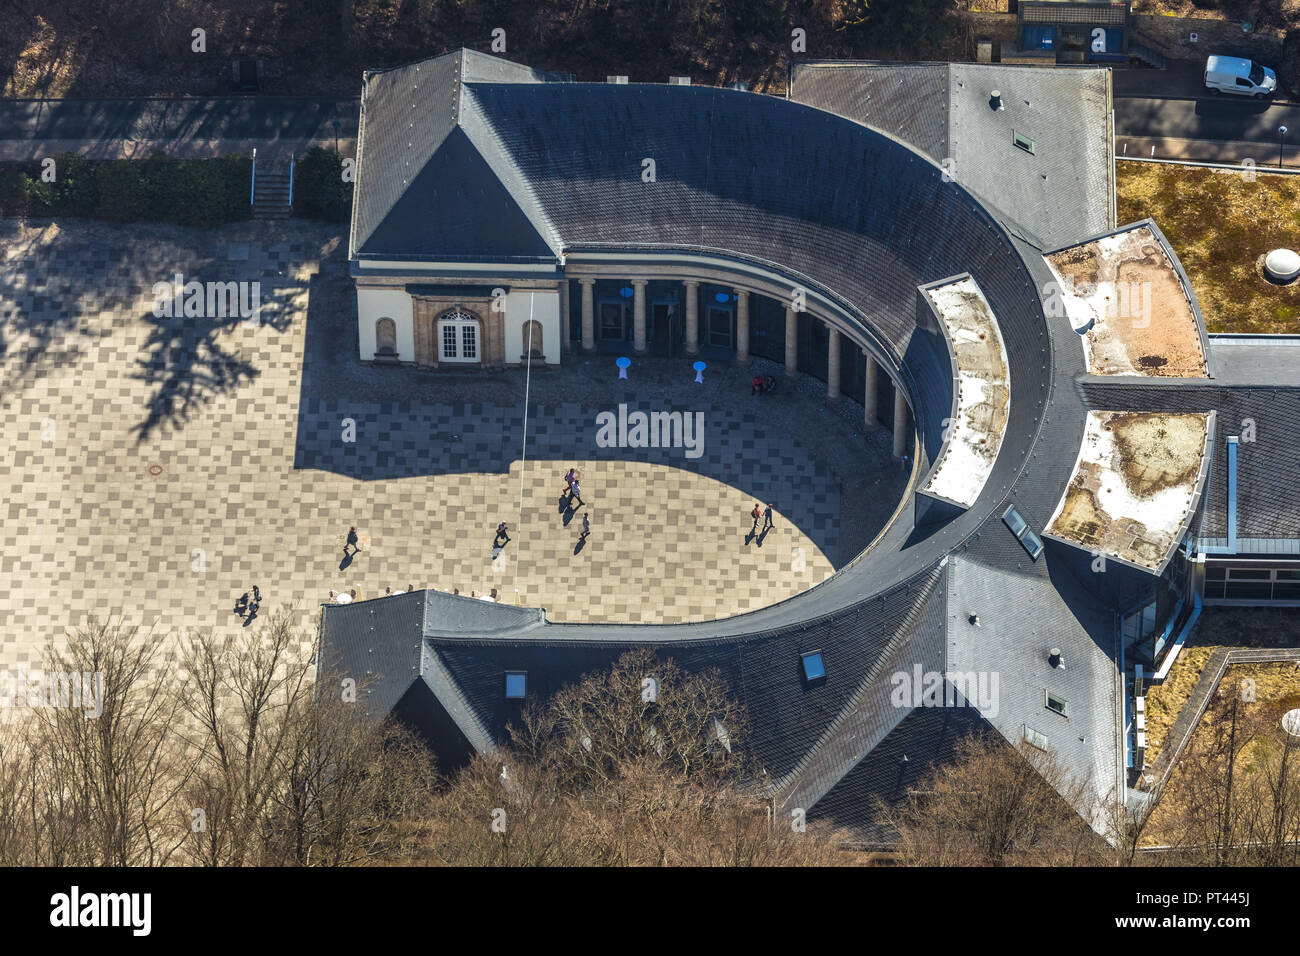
[(319, 191), (188, 192), (14, 186), (76, 188), (122, 195), (41, 196)]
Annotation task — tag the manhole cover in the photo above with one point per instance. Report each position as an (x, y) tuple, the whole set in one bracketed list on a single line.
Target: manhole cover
[(155, 470)]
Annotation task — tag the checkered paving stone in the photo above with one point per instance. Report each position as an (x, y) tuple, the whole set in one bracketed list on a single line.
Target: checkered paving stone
[(156, 469)]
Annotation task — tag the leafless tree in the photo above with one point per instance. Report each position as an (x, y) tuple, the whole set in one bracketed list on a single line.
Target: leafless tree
[(995, 805), (105, 788), (640, 709), (286, 776), (641, 764)]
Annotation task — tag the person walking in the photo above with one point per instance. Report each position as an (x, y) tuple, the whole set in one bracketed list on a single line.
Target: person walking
[(586, 526), (570, 477), (756, 514), (502, 537), (352, 542), (767, 517), (575, 494)]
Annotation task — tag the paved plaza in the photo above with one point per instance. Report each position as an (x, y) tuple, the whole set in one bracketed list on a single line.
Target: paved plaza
[(157, 468)]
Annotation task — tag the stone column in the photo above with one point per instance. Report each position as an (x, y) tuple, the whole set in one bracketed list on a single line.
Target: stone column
[(791, 341), (565, 328), (869, 410), (900, 422), (832, 363), (638, 315), (692, 316), (588, 315), (742, 326)]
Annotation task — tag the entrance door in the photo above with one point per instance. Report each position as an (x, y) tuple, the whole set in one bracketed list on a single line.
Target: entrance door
[(718, 330), (458, 338), (612, 321)]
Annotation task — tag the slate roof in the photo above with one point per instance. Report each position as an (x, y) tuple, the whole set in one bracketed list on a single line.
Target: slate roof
[(855, 213), (417, 143), (1061, 192)]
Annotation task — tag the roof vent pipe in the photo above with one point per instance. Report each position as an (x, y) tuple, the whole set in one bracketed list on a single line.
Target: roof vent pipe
[(1054, 657), (995, 100)]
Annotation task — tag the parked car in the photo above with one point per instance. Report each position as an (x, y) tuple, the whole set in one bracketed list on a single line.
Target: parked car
[(1233, 74)]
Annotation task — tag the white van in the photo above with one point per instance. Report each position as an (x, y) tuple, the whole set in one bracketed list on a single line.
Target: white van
[(1232, 74)]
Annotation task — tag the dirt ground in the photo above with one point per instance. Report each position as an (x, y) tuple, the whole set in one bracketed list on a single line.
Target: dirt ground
[(97, 48), (1264, 14), (1143, 324)]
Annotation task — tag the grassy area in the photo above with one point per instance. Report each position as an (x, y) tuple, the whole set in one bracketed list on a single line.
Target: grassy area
[(1221, 224), (1276, 689), (1218, 627)]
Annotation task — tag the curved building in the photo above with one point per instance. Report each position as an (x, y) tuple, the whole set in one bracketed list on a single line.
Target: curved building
[(937, 241)]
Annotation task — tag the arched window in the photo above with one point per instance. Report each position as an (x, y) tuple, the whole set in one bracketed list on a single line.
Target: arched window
[(385, 337), (533, 339), (458, 337)]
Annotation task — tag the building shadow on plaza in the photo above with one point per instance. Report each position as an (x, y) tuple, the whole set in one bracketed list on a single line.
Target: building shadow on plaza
[(373, 423)]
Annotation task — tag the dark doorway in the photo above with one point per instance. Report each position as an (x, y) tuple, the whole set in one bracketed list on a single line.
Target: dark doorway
[(665, 329), (718, 327), (612, 320)]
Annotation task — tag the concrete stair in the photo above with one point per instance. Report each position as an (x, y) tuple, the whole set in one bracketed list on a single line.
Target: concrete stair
[(271, 194), (1144, 54)]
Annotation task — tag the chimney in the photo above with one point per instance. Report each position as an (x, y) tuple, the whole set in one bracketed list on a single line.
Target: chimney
[(1054, 657), (995, 100), (679, 81)]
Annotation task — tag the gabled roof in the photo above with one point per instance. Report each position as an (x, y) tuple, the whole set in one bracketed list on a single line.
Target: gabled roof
[(427, 166), (1061, 191)]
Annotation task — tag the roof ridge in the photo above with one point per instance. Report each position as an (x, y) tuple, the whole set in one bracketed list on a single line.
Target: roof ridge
[(515, 183), (887, 656)]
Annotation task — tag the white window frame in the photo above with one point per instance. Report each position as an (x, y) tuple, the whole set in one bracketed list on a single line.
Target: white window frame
[(461, 321)]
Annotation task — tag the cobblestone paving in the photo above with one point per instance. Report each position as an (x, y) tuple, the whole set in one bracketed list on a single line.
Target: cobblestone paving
[(155, 468)]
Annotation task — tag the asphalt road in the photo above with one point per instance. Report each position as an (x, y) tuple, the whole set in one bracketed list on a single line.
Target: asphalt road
[(182, 126), (1172, 111), (1166, 111)]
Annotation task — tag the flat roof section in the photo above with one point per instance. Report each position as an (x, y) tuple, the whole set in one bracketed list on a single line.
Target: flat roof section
[(1134, 486), (1124, 293), (983, 392)]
